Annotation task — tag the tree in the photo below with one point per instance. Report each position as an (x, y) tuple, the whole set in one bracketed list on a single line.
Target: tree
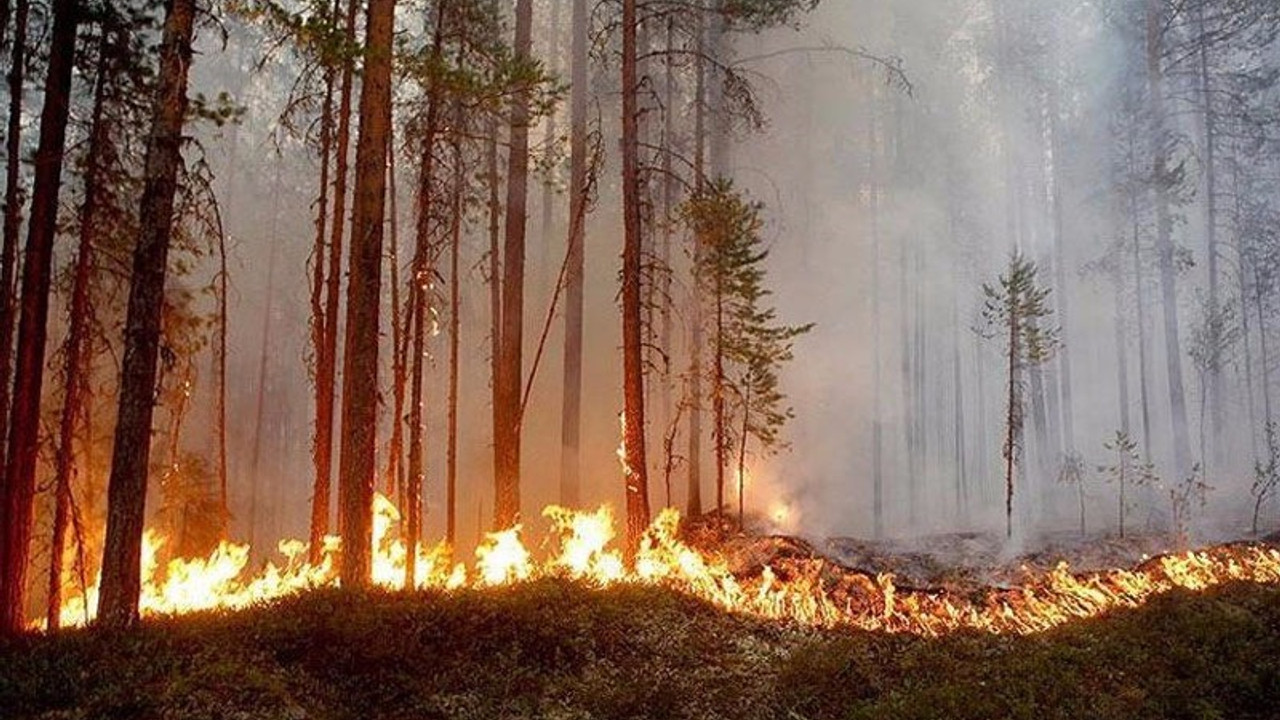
[(1213, 339), (635, 466), (571, 411), (509, 381), (1074, 474), (131, 451), (356, 464), (1129, 470), (749, 347), (1266, 477), (24, 420), (11, 225), (1014, 310)]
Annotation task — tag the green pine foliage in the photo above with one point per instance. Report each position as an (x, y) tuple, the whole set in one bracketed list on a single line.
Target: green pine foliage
[(753, 344)]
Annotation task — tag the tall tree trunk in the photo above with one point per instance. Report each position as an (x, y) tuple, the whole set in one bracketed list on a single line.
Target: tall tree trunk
[(455, 327), (1140, 301), (327, 366), (74, 359), (320, 321), (636, 471), (131, 451), (24, 421), (877, 407), (506, 447), (1214, 385), (1057, 149), (12, 227), (571, 410), (260, 429), (357, 457), (694, 498), (552, 63), (419, 284), (394, 483), (1161, 179)]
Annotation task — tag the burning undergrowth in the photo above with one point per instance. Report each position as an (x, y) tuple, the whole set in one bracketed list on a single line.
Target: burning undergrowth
[(769, 578)]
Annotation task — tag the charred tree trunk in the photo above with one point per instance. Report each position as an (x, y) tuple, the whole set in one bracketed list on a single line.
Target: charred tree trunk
[(24, 421), (357, 458), (74, 359), (507, 396), (636, 470), (12, 226), (131, 452), (571, 411)]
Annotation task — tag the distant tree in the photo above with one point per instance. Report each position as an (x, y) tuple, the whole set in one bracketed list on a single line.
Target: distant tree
[(1014, 311), (1213, 341), (122, 553), (748, 345), (1074, 473), (1266, 477), (1128, 471), (1185, 497)]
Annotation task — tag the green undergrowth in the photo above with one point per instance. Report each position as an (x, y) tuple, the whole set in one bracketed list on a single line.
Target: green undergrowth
[(554, 649)]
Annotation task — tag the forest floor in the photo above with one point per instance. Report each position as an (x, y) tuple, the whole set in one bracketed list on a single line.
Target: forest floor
[(556, 649)]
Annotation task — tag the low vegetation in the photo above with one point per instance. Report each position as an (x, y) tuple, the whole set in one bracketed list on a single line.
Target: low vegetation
[(553, 649)]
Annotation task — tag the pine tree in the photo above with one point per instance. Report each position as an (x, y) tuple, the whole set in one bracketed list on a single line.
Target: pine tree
[(1014, 311)]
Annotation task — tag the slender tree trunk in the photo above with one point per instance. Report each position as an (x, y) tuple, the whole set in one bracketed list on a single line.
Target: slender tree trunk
[(1214, 389), (636, 470), (571, 411), (694, 499), (131, 451), (12, 227), (511, 367), (495, 280), (419, 284), (357, 457), (24, 422), (1013, 423), (327, 363), (548, 141), (877, 407), (395, 483), (1057, 148), (260, 429), (320, 320), (1161, 177), (455, 328), (74, 359)]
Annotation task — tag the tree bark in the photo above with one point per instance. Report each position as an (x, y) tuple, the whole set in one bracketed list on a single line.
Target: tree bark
[(571, 410), (326, 367), (320, 321), (74, 360), (1161, 177), (131, 451), (24, 421), (12, 227), (636, 471), (507, 398), (357, 456)]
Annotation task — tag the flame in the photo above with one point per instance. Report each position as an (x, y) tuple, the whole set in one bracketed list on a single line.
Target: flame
[(807, 591)]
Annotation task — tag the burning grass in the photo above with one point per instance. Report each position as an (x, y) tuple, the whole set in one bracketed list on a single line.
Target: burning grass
[(559, 648), (800, 587)]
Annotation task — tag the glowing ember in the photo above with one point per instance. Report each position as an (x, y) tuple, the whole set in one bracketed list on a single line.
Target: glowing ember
[(805, 591)]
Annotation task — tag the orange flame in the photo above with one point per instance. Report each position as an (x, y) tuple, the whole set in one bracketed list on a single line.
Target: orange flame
[(804, 591)]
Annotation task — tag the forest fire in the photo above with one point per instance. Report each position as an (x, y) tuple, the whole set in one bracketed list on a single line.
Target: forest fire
[(811, 591)]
